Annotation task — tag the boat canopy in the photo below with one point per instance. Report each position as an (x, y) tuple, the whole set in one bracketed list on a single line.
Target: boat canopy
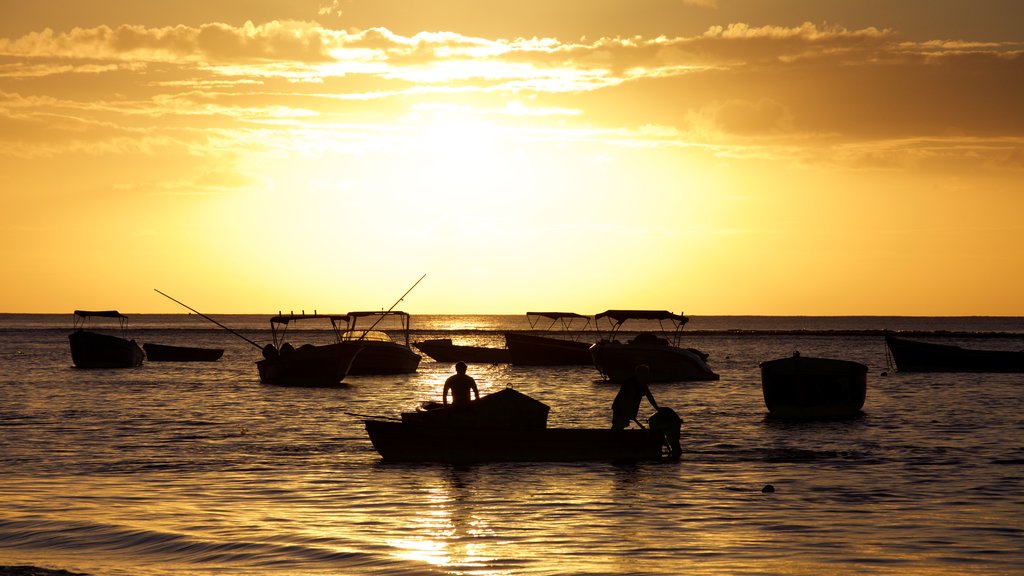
[(556, 315), (377, 313), (620, 316), (286, 318), (100, 313)]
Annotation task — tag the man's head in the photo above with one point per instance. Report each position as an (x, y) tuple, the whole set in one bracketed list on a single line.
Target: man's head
[(460, 367)]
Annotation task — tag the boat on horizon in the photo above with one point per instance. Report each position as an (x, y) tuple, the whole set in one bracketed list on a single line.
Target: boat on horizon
[(91, 349), (917, 356), (559, 345), (169, 353), (380, 354), (444, 350), (807, 388), (505, 426), (660, 350), (307, 365)]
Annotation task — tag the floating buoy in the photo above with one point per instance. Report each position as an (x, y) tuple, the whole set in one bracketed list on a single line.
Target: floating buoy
[(768, 489)]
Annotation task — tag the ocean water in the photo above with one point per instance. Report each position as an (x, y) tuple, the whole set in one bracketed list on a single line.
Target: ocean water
[(199, 469)]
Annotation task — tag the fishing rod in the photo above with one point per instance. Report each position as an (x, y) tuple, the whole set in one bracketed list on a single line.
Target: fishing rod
[(210, 319), (381, 317)]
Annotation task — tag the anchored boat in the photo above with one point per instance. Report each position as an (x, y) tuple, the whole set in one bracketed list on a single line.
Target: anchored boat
[(90, 349), (660, 350), (559, 346), (802, 387)]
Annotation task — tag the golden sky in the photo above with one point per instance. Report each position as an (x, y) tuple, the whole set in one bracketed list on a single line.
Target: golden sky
[(708, 156)]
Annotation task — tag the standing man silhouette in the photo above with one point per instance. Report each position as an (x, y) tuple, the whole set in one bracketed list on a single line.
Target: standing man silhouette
[(627, 402), (460, 384)]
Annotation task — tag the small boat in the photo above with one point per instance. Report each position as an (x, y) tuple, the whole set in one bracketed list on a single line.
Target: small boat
[(91, 349), (917, 356), (309, 364), (443, 350), (380, 354), (167, 353), (506, 426), (802, 387), (557, 347), (660, 350)]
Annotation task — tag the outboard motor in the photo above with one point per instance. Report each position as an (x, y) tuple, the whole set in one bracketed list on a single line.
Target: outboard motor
[(666, 421)]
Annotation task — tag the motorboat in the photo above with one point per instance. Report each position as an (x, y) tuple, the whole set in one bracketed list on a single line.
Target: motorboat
[(559, 344), (803, 387), (658, 348), (309, 364), (91, 349), (380, 354), (509, 426), (917, 356), (168, 353), (444, 350)]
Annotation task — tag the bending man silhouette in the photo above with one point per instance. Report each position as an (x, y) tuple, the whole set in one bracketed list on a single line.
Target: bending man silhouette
[(627, 402), (460, 384)]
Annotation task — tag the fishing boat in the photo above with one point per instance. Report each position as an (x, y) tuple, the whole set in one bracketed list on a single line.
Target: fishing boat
[(380, 354), (168, 353), (307, 365), (917, 356), (659, 349), (559, 345), (443, 350), (802, 387), (90, 349), (506, 426)]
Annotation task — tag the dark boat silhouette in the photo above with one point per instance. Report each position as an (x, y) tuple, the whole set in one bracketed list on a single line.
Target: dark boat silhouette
[(660, 351), (506, 426), (807, 388), (443, 350), (917, 356), (380, 354), (309, 364), (90, 349), (168, 353), (557, 347)]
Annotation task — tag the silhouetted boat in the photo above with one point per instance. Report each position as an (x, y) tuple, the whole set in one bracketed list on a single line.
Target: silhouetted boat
[(307, 365), (557, 348), (443, 350), (506, 426), (167, 353), (668, 362), (802, 387), (917, 356), (380, 354), (91, 349)]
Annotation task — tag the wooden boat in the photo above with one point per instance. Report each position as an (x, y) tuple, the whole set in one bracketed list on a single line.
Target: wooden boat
[(167, 353), (917, 356), (506, 426), (380, 354), (557, 347), (443, 350), (91, 349), (309, 364), (801, 387), (660, 350)]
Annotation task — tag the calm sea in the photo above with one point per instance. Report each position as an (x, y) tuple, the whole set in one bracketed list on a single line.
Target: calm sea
[(199, 469)]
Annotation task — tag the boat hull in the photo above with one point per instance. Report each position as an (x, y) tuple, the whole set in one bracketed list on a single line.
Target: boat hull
[(382, 358), (801, 387), (916, 356), (617, 362), (400, 442), (95, 350), (309, 365), (166, 353), (530, 350), (442, 350)]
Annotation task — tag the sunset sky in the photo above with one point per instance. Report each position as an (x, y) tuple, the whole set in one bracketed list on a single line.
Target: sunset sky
[(848, 157)]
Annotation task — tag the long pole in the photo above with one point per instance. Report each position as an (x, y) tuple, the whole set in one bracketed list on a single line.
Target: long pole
[(381, 317), (210, 319)]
